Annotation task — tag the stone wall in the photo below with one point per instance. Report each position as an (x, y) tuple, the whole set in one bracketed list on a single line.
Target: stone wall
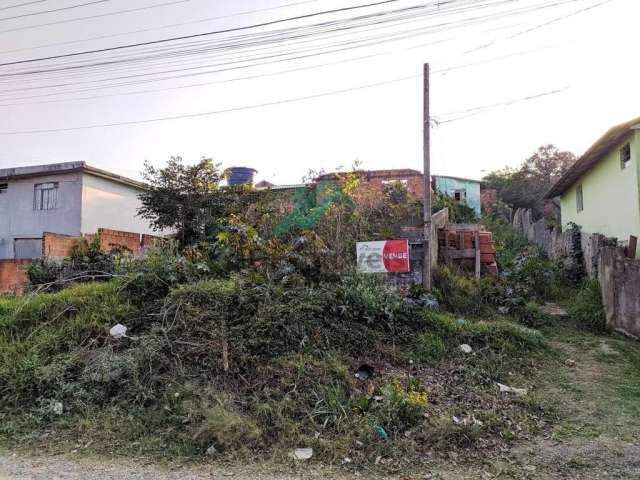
[(547, 234), (619, 278)]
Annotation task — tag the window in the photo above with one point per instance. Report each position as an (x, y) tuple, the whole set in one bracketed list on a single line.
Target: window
[(579, 199), (460, 195), (45, 196), (3, 188), (625, 156)]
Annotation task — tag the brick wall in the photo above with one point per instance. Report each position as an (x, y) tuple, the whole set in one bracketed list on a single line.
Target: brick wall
[(58, 246), (12, 276), (372, 183), (111, 239), (488, 199), (150, 240)]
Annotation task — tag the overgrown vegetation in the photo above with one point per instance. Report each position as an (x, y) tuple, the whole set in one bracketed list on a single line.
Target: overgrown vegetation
[(586, 307), (247, 335)]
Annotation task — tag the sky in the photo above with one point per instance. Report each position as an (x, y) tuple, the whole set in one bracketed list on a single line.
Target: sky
[(507, 77)]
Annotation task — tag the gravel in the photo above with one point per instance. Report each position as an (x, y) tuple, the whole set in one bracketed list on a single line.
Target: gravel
[(14, 467)]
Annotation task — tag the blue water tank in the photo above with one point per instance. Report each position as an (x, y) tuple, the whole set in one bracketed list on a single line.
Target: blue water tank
[(241, 175)]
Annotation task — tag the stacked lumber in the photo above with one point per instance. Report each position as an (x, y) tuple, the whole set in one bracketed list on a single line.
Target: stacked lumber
[(457, 244)]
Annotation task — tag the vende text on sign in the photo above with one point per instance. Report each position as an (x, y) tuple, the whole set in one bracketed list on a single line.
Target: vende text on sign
[(389, 256)]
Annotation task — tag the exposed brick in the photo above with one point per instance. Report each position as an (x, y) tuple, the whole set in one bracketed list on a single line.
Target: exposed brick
[(112, 239), (488, 199), (56, 245), (150, 240), (372, 183), (13, 277)]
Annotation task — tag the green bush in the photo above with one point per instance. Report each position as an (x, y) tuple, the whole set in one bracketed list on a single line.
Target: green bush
[(586, 307)]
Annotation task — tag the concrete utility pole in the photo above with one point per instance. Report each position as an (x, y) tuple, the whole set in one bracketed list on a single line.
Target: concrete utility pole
[(426, 268)]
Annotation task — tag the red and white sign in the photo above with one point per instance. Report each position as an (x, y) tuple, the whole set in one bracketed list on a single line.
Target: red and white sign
[(383, 257)]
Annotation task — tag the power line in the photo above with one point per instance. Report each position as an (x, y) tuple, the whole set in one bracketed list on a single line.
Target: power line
[(462, 114), (537, 27), (23, 4), (212, 112), (91, 17), (172, 77), (260, 105), (70, 7), (162, 27), (355, 44), (199, 35)]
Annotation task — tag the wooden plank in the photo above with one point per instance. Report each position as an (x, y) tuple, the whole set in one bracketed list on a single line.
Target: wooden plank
[(446, 245), (459, 254), (468, 227), (477, 248)]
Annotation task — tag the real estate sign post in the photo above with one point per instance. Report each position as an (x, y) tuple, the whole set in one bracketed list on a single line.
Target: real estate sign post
[(390, 256)]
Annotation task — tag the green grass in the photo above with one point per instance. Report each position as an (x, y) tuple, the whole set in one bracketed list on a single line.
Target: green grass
[(291, 354)]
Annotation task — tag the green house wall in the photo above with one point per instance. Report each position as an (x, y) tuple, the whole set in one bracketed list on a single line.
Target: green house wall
[(472, 187), (611, 195)]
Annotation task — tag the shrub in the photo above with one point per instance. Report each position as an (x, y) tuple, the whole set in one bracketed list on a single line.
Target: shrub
[(87, 263), (586, 307)]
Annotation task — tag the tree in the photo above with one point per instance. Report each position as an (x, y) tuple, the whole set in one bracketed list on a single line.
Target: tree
[(182, 197), (525, 187)]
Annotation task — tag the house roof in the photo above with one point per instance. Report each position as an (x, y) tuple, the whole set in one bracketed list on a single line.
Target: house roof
[(66, 167), (591, 157)]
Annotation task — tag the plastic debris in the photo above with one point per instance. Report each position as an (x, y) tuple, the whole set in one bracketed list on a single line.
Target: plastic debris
[(508, 389), (57, 408), (346, 460), (466, 348), (211, 451), (381, 432), (468, 420), (118, 331), (570, 362), (302, 453), (364, 372), (461, 321)]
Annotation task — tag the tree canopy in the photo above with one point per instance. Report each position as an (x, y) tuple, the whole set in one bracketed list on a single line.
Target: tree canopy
[(180, 197), (525, 186)]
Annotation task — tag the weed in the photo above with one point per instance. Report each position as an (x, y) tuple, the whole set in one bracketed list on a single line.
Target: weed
[(586, 307)]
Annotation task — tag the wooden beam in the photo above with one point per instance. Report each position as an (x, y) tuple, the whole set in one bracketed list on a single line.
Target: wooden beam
[(477, 249)]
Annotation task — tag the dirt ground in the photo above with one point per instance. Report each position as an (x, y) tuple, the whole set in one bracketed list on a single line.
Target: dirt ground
[(595, 385)]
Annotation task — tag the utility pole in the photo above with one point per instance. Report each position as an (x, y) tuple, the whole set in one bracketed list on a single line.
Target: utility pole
[(426, 128)]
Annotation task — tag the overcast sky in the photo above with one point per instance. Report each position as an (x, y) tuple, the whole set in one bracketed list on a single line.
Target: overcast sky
[(497, 57)]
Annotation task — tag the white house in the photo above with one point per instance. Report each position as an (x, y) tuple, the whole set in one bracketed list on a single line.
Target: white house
[(70, 198)]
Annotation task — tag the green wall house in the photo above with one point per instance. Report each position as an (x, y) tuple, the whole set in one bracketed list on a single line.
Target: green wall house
[(601, 191), (461, 189)]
